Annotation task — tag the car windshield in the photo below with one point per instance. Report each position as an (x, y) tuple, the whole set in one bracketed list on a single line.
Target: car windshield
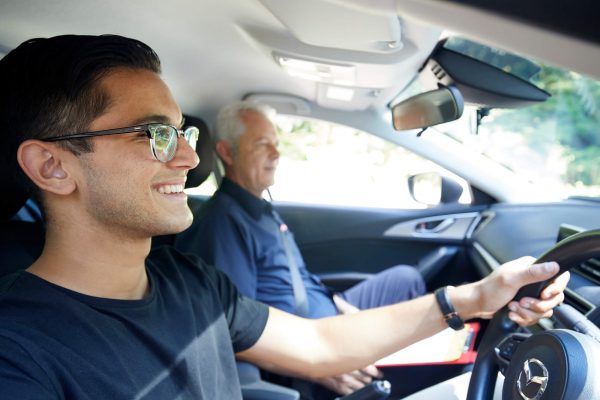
[(555, 143)]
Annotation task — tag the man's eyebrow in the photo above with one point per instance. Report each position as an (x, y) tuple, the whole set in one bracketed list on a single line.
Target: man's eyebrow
[(160, 119)]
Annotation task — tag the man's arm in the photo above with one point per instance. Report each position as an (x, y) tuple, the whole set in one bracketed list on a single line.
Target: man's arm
[(324, 347)]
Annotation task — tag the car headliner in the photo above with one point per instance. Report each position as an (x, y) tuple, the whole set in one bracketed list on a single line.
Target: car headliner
[(214, 52)]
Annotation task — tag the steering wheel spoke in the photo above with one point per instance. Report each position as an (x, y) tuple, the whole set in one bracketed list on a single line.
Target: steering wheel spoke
[(506, 349)]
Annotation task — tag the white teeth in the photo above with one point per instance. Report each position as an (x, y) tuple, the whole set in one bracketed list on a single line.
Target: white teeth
[(168, 189)]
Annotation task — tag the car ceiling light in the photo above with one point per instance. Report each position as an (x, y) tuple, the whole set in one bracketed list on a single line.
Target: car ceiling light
[(318, 71), (340, 93)]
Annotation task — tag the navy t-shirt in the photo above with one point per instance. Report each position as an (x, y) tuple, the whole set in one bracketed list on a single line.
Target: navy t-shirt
[(239, 234), (176, 343)]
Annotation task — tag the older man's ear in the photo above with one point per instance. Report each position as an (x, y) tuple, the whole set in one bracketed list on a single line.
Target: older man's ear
[(47, 166), (225, 152)]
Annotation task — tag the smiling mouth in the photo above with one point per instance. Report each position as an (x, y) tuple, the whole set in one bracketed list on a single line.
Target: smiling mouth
[(170, 189)]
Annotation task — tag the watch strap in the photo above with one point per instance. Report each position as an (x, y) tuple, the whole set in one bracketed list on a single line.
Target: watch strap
[(451, 317)]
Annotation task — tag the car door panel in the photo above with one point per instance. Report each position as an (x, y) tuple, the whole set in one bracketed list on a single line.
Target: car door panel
[(345, 239)]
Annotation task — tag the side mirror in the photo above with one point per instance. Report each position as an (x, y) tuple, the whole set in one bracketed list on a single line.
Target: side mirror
[(428, 109), (432, 189)]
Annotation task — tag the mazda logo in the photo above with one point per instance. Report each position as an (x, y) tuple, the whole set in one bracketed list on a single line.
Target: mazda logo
[(533, 379)]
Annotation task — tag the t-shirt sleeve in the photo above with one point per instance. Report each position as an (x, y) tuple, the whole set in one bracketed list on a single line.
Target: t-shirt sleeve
[(224, 243), (245, 317), (20, 377)]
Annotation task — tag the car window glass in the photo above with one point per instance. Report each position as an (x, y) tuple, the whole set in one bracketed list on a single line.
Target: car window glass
[(326, 163)]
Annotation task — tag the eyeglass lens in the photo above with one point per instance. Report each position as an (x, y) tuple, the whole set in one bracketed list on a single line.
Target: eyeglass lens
[(165, 140)]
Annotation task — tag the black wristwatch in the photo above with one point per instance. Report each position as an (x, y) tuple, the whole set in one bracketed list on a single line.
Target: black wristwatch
[(450, 315)]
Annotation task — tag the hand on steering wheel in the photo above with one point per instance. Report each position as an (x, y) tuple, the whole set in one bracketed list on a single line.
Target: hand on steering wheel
[(505, 281)]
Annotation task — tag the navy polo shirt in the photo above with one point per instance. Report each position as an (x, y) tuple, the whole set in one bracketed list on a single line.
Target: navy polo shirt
[(239, 234)]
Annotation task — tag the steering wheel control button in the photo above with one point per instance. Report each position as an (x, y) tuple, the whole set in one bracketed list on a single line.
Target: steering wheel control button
[(507, 348), (450, 315), (533, 379)]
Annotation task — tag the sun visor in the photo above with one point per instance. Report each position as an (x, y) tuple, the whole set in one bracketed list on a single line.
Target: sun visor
[(338, 25), (481, 83)]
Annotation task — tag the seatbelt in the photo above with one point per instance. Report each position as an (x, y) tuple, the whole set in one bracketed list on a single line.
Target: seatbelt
[(300, 296)]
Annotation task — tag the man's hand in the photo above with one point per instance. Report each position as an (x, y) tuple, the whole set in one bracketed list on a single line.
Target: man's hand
[(500, 287), (343, 306), (352, 381)]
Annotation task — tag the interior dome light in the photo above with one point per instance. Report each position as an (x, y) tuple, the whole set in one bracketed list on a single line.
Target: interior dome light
[(336, 74)]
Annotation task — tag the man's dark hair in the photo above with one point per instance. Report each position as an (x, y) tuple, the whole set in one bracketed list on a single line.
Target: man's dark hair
[(49, 87)]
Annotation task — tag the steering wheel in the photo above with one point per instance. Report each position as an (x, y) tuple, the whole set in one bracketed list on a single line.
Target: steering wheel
[(553, 349)]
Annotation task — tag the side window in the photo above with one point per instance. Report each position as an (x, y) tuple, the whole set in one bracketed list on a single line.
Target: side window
[(325, 163), (207, 188)]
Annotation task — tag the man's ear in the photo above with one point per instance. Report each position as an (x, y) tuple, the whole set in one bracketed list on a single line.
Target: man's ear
[(45, 164), (225, 152)]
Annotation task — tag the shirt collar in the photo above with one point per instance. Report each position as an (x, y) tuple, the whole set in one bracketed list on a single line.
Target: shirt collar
[(249, 202)]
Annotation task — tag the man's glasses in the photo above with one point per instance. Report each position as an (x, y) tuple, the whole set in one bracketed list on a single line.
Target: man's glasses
[(163, 138)]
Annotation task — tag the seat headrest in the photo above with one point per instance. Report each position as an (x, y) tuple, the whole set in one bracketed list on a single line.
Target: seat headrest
[(12, 196), (21, 243), (204, 149)]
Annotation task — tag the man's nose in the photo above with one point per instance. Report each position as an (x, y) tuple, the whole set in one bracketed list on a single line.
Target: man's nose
[(185, 156), (275, 151)]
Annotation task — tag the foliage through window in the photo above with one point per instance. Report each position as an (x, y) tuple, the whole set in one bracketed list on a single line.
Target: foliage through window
[(556, 143)]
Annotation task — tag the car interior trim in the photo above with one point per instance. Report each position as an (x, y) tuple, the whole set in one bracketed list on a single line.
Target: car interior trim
[(452, 226), (486, 256)]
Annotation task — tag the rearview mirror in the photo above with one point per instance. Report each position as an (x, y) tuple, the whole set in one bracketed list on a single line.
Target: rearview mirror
[(428, 109)]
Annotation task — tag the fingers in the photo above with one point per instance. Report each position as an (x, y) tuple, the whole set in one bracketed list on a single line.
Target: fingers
[(529, 310), (351, 384), (525, 316), (372, 371), (500, 287), (541, 272), (343, 306), (557, 286), (333, 384), (361, 377), (346, 383), (521, 272)]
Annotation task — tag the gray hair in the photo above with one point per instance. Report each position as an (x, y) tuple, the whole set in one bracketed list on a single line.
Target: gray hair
[(229, 125)]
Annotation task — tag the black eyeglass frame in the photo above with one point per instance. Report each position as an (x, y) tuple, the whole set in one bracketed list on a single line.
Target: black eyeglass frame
[(184, 133)]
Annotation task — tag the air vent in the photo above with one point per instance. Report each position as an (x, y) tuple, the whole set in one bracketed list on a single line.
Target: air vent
[(590, 269), (578, 302)]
